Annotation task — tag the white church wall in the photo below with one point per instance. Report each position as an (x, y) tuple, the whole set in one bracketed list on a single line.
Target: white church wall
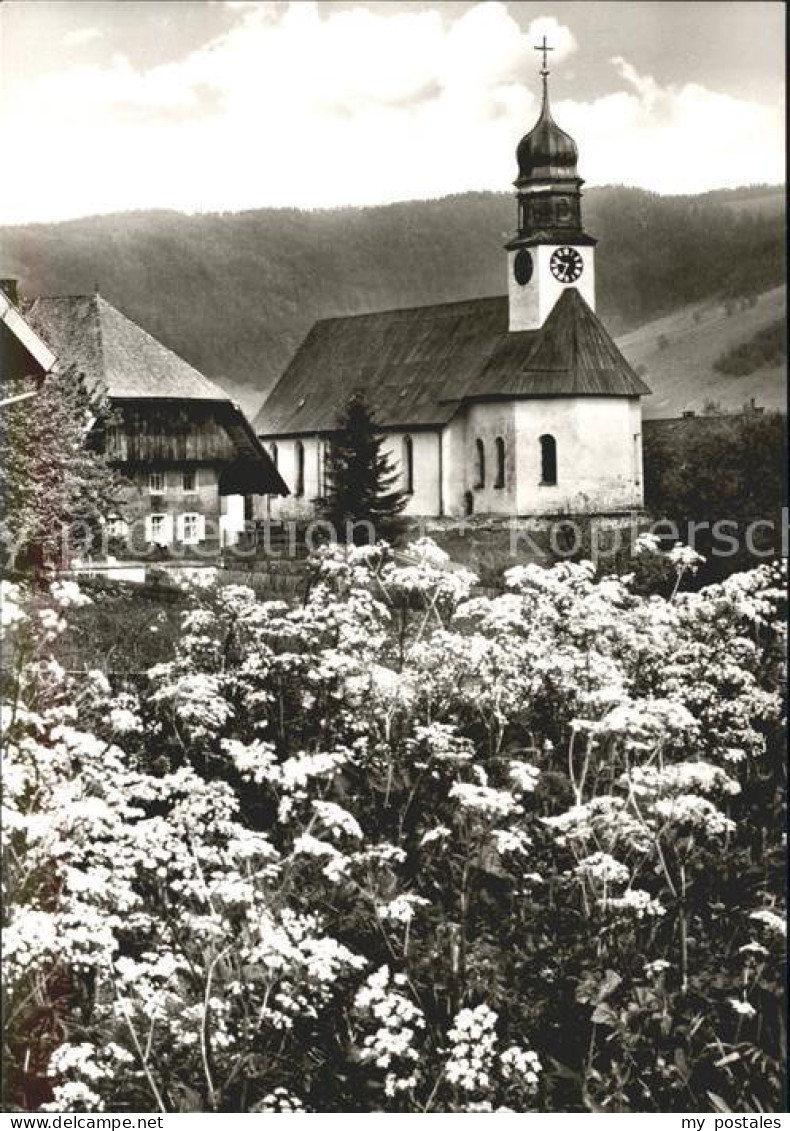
[(598, 457), (454, 473), (426, 461), (299, 505), (485, 424), (424, 500)]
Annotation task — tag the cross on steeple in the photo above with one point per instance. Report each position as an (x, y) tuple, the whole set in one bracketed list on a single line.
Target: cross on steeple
[(544, 47)]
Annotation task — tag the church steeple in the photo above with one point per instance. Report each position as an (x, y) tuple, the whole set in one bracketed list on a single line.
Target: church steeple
[(548, 193)]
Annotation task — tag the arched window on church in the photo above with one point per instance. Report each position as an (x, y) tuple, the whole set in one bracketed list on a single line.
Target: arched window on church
[(480, 453), (274, 453), (548, 460), (499, 448), (299, 459), (408, 465)]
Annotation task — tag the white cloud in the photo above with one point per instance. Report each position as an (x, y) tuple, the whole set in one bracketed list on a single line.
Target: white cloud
[(302, 105), (675, 139), (82, 35)]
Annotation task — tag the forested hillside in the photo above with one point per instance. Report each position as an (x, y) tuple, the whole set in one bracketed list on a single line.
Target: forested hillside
[(235, 293)]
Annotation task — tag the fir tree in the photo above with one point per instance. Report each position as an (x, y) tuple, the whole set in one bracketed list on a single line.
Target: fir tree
[(362, 502)]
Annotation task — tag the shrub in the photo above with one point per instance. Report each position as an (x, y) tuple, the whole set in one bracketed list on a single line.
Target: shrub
[(767, 347)]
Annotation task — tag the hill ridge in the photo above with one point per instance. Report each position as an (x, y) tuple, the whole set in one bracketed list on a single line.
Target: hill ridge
[(236, 293)]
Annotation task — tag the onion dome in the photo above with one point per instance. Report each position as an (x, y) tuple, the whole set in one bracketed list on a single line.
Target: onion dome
[(546, 152)]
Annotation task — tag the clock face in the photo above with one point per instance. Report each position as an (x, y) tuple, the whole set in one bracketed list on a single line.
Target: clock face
[(522, 267), (566, 265)]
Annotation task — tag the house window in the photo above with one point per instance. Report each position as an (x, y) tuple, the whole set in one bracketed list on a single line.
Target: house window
[(299, 458), (274, 453), (156, 482), (191, 531), (408, 465), (480, 456), (188, 482), (548, 460), (158, 529), (499, 448), (116, 527)]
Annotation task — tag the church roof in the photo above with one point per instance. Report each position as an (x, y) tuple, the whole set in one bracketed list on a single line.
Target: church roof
[(116, 355), (572, 355), (414, 367)]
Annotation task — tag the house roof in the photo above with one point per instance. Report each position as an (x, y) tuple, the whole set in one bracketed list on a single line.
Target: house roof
[(21, 331), (118, 358), (116, 355), (415, 366)]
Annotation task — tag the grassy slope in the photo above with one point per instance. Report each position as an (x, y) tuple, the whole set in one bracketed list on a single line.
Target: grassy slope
[(682, 374)]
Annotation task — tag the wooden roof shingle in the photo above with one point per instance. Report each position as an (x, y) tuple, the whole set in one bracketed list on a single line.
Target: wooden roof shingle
[(415, 366), (118, 358), (116, 355), (572, 355)]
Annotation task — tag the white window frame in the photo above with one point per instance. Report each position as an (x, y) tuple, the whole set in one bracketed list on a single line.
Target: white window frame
[(160, 477), (191, 519), (117, 527), (165, 535)]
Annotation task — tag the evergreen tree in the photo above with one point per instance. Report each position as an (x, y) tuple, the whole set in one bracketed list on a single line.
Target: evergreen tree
[(363, 502)]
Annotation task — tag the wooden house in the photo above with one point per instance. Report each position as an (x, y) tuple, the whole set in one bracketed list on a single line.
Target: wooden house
[(191, 456)]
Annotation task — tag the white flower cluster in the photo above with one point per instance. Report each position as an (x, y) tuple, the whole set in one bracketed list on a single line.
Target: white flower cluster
[(443, 744), (473, 1047), (485, 801), (773, 923), (279, 1101), (523, 775), (690, 812), (681, 777), (636, 902), (602, 868), (337, 820), (74, 1095), (401, 909), (68, 594), (683, 558), (521, 1066), (513, 842), (643, 724), (12, 601), (398, 1021), (657, 967)]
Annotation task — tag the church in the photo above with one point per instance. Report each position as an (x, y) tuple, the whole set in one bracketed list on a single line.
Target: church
[(516, 405)]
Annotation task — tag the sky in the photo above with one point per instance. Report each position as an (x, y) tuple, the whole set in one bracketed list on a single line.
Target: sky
[(222, 105)]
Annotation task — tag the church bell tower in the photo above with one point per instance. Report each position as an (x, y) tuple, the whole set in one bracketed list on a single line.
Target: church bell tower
[(550, 250)]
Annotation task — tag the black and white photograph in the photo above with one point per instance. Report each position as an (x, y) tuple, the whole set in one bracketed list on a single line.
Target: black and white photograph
[(393, 538)]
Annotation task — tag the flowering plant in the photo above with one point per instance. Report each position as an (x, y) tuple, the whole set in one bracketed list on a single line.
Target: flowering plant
[(506, 854)]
